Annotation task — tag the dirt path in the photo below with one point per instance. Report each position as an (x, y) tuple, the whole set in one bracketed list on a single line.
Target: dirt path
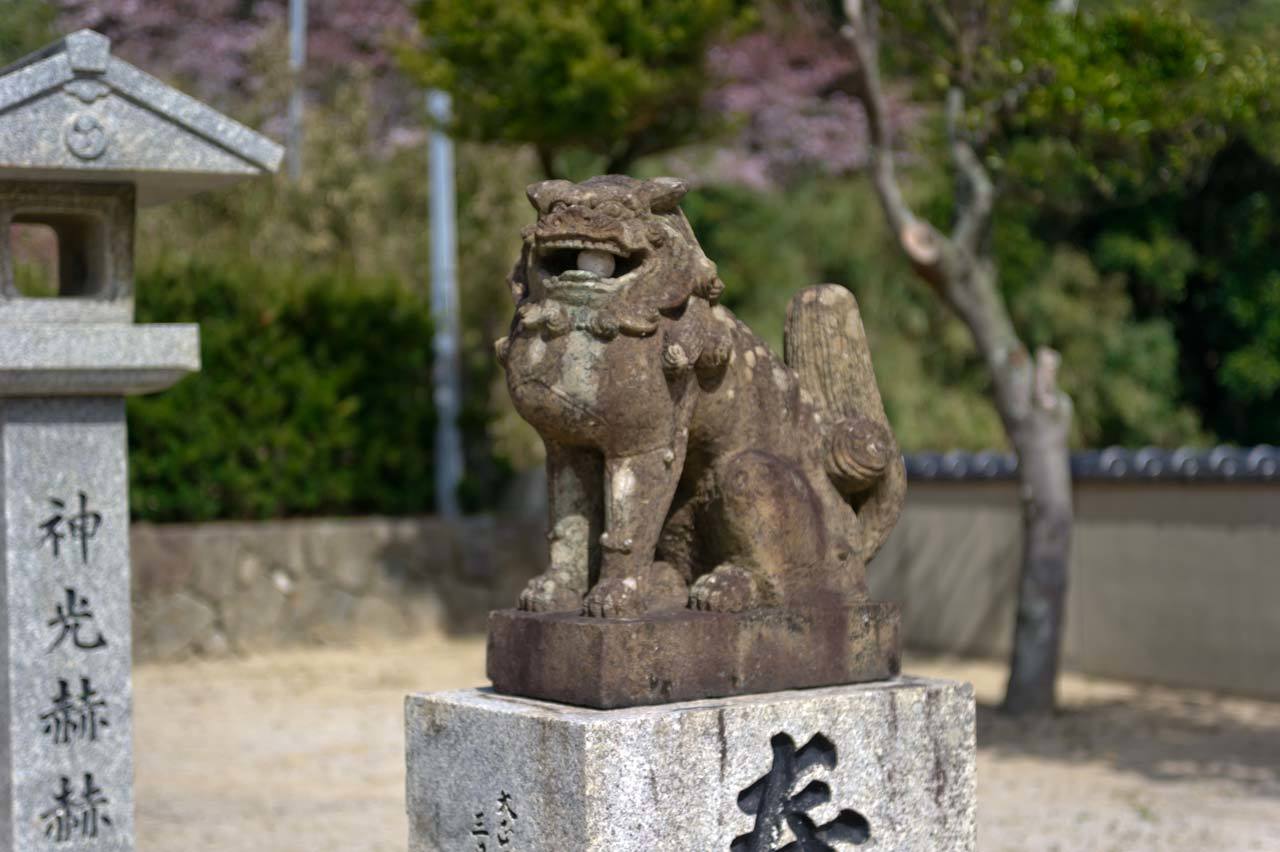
[(303, 752)]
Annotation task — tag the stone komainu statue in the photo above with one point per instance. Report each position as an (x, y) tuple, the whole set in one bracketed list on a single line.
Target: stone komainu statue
[(687, 465)]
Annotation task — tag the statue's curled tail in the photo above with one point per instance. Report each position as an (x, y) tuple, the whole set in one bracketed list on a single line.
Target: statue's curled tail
[(826, 345)]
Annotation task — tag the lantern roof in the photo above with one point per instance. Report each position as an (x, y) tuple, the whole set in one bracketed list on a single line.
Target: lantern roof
[(72, 112)]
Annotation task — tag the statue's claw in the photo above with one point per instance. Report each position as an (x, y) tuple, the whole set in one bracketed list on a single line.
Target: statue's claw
[(616, 597), (675, 359), (726, 589), (550, 592)]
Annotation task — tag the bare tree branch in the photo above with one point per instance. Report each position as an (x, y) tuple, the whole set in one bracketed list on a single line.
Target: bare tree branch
[(944, 18), (977, 200), (962, 270), (1050, 397), (956, 267), (920, 241)]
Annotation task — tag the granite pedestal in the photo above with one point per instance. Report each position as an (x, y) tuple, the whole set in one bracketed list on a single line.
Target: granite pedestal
[(888, 766)]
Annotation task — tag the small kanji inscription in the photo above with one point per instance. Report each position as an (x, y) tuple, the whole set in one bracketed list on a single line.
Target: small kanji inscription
[(75, 714), (79, 524), (76, 815), (500, 832), (72, 620)]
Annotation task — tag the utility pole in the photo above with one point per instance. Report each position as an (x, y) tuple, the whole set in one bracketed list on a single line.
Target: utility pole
[(445, 370), (297, 67)]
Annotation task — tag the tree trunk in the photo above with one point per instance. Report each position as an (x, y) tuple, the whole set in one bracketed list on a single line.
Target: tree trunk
[(1044, 478), (1037, 420), (1036, 415)]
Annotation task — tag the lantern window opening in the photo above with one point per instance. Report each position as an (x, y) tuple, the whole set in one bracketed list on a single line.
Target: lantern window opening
[(79, 264), (33, 247)]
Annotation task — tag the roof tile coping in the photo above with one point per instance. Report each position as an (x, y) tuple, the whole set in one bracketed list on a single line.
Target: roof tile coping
[(1223, 463)]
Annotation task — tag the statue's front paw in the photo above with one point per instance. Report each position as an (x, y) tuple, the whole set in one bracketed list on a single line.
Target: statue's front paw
[(716, 352), (675, 360), (726, 589), (616, 597), (550, 593)]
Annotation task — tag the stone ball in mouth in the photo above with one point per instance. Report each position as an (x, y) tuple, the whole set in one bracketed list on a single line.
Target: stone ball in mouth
[(597, 262)]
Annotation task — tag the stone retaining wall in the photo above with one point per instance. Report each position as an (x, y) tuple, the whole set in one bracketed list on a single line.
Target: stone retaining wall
[(1170, 582), (213, 589)]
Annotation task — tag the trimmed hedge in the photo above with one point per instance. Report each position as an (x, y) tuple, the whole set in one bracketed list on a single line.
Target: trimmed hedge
[(314, 398)]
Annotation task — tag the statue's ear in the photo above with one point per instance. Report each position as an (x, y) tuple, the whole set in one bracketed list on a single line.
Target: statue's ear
[(541, 194), (663, 194)]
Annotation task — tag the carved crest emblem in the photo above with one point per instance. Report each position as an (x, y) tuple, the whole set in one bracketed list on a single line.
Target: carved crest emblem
[(86, 136)]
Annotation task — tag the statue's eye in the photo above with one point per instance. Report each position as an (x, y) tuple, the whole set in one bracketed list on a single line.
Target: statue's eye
[(557, 205), (613, 210)]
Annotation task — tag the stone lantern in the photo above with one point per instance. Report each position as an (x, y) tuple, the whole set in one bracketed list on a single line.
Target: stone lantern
[(85, 138)]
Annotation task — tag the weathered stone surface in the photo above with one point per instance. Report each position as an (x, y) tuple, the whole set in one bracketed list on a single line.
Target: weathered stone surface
[(684, 655), (348, 556), (180, 625), (213, 560), (253, 615), (428, 552), (163, 564), (214, 644), (279, 551), (686, 463), (322, 613), (896, 759), (250, 569)]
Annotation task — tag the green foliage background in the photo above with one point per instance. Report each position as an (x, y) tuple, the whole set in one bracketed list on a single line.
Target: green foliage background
[(619, 79)]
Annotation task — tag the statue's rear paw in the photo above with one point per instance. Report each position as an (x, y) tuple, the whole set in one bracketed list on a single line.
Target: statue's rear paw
[(726, 589), (616, 597), (550, 592)]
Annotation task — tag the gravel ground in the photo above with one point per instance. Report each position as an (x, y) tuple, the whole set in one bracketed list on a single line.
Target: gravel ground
[(303, 752)]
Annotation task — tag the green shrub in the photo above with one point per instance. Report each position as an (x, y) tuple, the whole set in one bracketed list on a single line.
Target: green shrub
[(314, 398)]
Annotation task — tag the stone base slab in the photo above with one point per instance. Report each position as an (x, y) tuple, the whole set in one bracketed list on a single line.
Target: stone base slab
[(686, 655), (888, 765)]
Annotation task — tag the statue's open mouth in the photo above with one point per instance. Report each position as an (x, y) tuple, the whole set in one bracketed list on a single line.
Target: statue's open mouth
[(583, 264)]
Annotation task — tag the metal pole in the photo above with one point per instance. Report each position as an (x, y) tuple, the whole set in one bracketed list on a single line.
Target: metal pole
[(446, 372), (297, 67)]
